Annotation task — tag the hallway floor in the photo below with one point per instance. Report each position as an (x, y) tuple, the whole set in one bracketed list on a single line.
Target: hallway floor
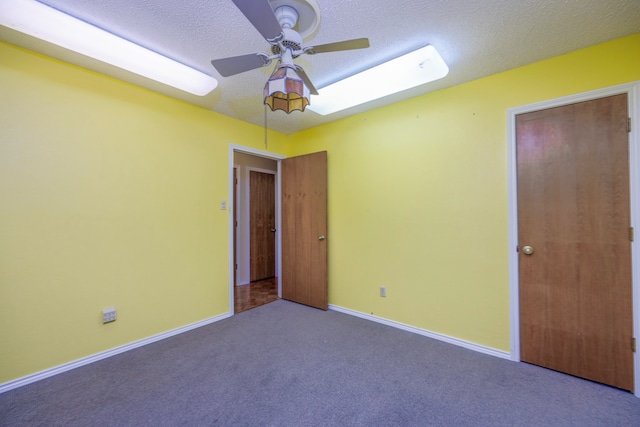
[(255, 294)]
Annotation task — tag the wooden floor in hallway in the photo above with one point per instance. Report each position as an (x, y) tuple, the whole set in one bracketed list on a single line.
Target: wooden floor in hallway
[(255, 294)]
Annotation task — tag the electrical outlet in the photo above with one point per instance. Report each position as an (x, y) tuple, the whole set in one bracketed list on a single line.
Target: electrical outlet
[(383, 291), (109, 315)]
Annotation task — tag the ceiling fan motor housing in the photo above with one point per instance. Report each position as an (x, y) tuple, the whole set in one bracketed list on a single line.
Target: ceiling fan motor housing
[(291, 40)]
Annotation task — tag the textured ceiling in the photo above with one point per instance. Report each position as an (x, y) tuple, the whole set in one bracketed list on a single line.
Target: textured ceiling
[(476, 38)]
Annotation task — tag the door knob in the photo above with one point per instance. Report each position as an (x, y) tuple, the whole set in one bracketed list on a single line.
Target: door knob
[(527, 250), (321, 237), (273, 230)]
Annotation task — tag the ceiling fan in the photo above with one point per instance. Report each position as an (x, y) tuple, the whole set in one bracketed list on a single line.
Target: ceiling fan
[(277, 27)]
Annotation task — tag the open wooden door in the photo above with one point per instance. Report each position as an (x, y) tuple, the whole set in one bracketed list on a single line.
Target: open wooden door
[(574, 240), (304, 230)]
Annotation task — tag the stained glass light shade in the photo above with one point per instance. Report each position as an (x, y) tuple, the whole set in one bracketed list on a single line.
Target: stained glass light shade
[(286, 91)]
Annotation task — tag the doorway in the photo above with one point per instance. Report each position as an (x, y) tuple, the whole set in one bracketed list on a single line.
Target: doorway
[(254, 242), (304, 198), (570, 258)]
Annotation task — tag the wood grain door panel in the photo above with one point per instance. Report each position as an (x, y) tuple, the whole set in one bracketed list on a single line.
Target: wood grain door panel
[(574, 210), (304, 221), (262, 206)]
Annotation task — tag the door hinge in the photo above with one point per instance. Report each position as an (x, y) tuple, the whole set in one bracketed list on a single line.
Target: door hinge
[(631, 234), (628, 124), (633, 345), (236, 266)]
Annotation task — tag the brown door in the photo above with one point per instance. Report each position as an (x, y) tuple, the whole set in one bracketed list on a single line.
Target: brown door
[(574, 214), (304, 229), (262, 223)]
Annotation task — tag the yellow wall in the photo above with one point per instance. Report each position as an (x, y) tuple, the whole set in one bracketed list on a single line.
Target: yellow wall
[(418, 194), (109, 196)]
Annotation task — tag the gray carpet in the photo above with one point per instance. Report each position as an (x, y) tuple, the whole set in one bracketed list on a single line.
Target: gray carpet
[(285, 364)]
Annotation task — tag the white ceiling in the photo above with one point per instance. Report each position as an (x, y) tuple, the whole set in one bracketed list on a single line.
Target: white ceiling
[(476, 38)]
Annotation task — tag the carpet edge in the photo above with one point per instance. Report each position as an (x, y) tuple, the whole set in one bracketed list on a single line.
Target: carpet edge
[(41, 375), (424, 332)]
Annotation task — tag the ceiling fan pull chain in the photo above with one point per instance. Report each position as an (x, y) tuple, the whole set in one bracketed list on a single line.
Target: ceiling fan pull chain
[(266, 146)]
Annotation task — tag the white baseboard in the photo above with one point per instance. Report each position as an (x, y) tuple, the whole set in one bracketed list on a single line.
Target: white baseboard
[(455, 341), (19, 382)]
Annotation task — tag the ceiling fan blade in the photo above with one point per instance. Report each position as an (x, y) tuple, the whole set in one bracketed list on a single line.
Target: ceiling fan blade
[(307, 80), (337, 46), (239, 64), (260, 14)]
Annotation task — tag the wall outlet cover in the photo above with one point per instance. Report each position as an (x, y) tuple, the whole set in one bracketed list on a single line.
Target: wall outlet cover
[(109, 315)]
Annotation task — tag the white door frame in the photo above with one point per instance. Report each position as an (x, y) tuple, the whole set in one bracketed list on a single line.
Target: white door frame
[(235, 148), (633, 92)]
